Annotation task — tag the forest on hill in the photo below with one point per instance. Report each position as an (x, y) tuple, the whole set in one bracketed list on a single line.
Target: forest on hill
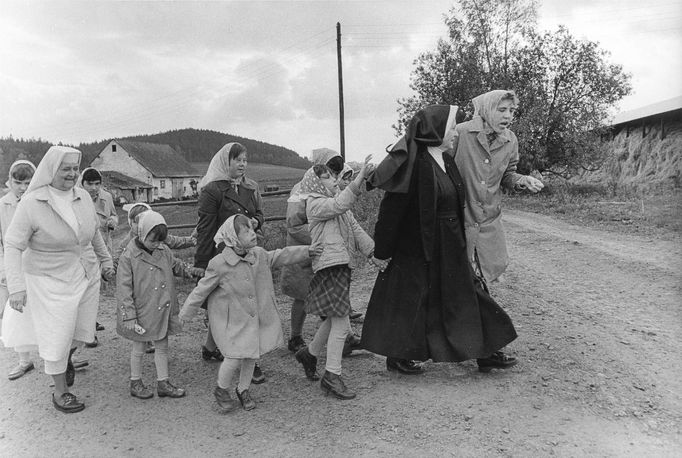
[(195, 145)]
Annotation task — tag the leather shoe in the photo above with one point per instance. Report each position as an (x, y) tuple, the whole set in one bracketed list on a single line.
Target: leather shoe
[(67, 403), (164, 388), (258, 377), (332, 383), (497, 360), (20, 370), (92, 344), (139, 390), (209, 355), (296, 343), (404, 366), (99, 327), (352, 343), (309, 362), (245, 399), (224, 400)]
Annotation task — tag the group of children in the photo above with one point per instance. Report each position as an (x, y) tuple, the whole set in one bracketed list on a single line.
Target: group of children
[(237, 287)]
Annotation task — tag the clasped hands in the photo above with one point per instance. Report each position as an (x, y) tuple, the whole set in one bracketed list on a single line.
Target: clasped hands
[(381, 264)]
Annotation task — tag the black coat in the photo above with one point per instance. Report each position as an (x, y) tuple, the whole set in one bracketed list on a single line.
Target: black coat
[(427, 305), (217, 202)]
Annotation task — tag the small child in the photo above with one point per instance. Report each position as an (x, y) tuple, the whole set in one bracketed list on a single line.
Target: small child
[(333, 227), (147, 302), (241, 305), (17, 329)]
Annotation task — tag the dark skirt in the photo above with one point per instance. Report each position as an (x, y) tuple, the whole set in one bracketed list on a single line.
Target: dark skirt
[(329, 293)]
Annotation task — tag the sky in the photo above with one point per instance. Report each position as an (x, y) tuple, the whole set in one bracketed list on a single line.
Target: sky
[(83, 71)]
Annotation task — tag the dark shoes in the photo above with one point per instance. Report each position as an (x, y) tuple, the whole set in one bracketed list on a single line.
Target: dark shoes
[(309, 362), (150, 348), (332, 383), (224, 400), (352, 343), (164, 388), (404, 366), (99, 327), (209, 355), (497, 360), (258, 377), (67, 403), (70, 373), (296, 343), (20, 370), (92, 344), (139, 390), (354, 314), (245, 399)]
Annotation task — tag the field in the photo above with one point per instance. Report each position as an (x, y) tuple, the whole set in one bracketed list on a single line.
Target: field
[(265, 174)]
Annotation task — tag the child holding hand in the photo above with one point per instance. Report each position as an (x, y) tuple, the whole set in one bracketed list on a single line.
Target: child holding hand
[(147, 301), (239, 290), (333, 227)]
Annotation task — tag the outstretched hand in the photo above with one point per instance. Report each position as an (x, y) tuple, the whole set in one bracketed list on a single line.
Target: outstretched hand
[(364, 170), (530, 183)]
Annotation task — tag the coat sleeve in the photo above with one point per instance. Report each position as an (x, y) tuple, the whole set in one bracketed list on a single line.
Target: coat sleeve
[(209, 203), (176, 243), (113, 216), (363, 240), (288, 255), (324, 208), (392, 211), (101, 250), (200, 293), (124, 288), (258, 204), (510, 177), (16, 240), (297, 223), (119, 250), (180, 268)]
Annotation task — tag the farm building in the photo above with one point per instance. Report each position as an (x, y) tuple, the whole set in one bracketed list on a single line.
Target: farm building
[(125, 189), (163, 169), (645, 146)]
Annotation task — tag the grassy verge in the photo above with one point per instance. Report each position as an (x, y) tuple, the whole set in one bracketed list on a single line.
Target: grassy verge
[(594, 206)]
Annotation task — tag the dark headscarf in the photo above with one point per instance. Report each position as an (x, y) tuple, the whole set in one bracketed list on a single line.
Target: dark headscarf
[(426, 128)]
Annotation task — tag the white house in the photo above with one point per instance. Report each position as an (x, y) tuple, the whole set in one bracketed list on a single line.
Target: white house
[(160, 166)]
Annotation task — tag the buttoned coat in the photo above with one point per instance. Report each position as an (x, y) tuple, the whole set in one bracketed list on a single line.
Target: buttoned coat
[(217, 202), (484, 169), (295, 278), (145, 290), (241, 300)]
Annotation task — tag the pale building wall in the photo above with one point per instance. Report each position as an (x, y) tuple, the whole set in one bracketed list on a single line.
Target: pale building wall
[(121, 161)]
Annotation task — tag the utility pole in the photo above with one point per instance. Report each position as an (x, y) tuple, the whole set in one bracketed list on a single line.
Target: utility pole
[(338, 58)]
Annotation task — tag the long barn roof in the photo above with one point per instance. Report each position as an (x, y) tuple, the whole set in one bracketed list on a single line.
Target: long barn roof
[(160, 160), (664, 106)]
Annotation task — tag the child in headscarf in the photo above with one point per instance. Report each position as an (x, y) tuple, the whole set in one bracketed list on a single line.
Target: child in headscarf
[(333, 227), (239, 290), (147, 301), (20, 174)]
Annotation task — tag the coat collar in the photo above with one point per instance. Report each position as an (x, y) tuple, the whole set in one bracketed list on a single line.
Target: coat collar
[(232, 258), (155, 259), (43, 194)]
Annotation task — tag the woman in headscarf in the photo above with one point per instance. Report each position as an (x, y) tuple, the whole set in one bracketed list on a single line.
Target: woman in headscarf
[(486, 154), (17, 328), (58, 276), (225, 191), (427, 304)]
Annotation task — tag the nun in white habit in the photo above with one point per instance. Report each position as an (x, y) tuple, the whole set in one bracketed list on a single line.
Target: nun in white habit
[(56, 228)]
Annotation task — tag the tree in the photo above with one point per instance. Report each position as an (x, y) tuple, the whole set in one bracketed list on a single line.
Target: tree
[(566, 86)]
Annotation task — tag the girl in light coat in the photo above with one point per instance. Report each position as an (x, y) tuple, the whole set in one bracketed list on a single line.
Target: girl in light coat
[(20, 333), (147, 301), (241, 305), (333, 227)]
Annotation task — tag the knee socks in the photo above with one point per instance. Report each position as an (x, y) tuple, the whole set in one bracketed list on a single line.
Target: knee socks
[(160, 359), (229, 367)]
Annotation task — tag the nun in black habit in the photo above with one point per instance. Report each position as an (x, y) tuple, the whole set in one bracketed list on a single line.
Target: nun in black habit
[(427, 303)]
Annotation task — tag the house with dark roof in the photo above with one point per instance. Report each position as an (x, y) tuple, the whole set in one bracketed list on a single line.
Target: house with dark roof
[(164, 170)]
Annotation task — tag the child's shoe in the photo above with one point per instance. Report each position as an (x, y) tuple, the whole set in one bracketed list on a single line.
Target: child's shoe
[(309, 362), (225, 401), (139, 390), (150, 347), (296, 343), (20, 370), (332, 383), (245, 399), (258, 377), (164, 388), (209, 355)]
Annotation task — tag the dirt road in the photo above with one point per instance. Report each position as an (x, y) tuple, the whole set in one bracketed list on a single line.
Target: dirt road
[(599, 322)]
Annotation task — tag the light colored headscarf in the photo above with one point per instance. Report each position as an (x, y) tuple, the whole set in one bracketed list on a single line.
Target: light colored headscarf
[(319, 157), (219, 167), (311, 184), (436, 152), (15, 164), (346, 168), (324, 155), (485, 104), (48, 166), (227, 234), (148, 221), (129, 207)]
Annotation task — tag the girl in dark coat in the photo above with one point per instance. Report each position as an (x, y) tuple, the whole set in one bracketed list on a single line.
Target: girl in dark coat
[(427, 304)]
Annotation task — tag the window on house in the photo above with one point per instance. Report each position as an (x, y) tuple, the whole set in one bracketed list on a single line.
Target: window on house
[(162, 184), (113, 148)]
